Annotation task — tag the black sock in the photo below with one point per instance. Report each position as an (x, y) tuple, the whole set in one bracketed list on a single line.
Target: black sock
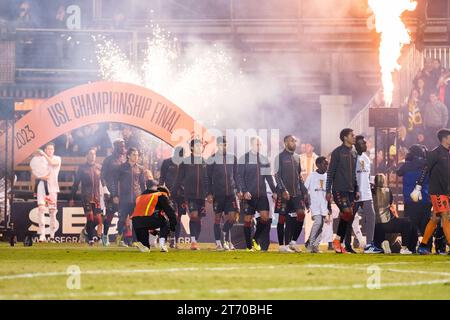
[(193, 228), (260, 226), (226, 230), (178, 229), (216, 231), (248, 236), (342, 229), (199, 228), (280, 233)]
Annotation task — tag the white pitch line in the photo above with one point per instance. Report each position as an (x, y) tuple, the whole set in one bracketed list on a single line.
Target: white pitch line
[(224, 268), (220, 291)]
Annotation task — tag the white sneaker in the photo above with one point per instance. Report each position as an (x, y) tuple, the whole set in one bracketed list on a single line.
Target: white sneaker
[(123, 244), (226, 246), (164, 248), (141, 247), (294, 248), (42, 239), (285, 249), (219, 247), (386, 247), (405, 251)]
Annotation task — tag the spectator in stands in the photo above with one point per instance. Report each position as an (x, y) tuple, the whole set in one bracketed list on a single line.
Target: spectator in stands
[(64, 144), (411, 114), (131, 140), (25, 18), (436, 71), (422, 90), (403, 139), (435, 118), (308, 161)]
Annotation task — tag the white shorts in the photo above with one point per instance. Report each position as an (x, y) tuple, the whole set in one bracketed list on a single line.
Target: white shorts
[(40, 194)]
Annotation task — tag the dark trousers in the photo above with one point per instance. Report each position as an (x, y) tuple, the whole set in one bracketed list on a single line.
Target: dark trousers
[(142, 226), (418, 214), (395, 225)]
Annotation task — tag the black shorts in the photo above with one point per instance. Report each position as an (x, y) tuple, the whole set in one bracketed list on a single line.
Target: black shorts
[(256, 204), (344, 200), (197, 205), (91, 206), (283, 206), (225, 204), (180, 205)]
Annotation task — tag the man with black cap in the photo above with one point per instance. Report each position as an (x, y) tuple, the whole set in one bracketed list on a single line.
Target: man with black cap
[(193, 178), (110, 175), (222, 178), (168, 177), (153, 211)]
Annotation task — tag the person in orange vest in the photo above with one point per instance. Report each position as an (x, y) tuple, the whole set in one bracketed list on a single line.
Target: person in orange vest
[(153, 211)]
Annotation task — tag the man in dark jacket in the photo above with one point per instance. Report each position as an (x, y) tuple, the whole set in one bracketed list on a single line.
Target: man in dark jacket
[(110, 175), (222, 178), (131, 184), (153, 211), (88, 175), (292, 195), (418, 212), (168, 177), (253, 172), (341, 179), (437, 168), (193, 179)]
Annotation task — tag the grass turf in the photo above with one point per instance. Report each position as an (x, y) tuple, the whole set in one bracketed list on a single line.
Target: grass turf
[(40, 272)]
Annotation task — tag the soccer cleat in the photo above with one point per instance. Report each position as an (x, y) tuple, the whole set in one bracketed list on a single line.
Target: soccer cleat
[(91, 243), (343, 250), (141, 247), (105, 240), (423, 250), (123, 244), (350, 250), (337, 246), (52, 240), (372, 249), (250, 250), (42, 239), (330, 246), (405, 251), (232, 246), (219, 247), (172, 244), (285, 249), (256, 246), (294, 248), (226, 246), (194, 246), (164, 248)]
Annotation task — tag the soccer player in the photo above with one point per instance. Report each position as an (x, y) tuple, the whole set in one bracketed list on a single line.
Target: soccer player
[(320, 207), (153, 211), (341, 178), (131, 184), (168, 177), (292, 197), (110, 175), (193, 178), (222, 177), (365, 200), (438, 170), (253, 172), (54, 166), (88, 175)]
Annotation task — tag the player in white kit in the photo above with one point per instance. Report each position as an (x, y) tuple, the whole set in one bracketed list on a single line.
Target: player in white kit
[(45, 166)]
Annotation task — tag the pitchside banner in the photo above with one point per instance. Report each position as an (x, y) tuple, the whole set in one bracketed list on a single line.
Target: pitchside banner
[(71, 221), (102, 102)]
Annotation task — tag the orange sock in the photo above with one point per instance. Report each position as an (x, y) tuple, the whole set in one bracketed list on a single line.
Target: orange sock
[(429, 230), (446, 228)]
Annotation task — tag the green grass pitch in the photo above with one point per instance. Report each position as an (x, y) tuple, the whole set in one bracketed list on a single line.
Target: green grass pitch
[(41, 272)]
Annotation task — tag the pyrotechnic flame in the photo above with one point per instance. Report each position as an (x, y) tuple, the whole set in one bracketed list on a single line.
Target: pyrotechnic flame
[(196, 80), (394, 35)]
